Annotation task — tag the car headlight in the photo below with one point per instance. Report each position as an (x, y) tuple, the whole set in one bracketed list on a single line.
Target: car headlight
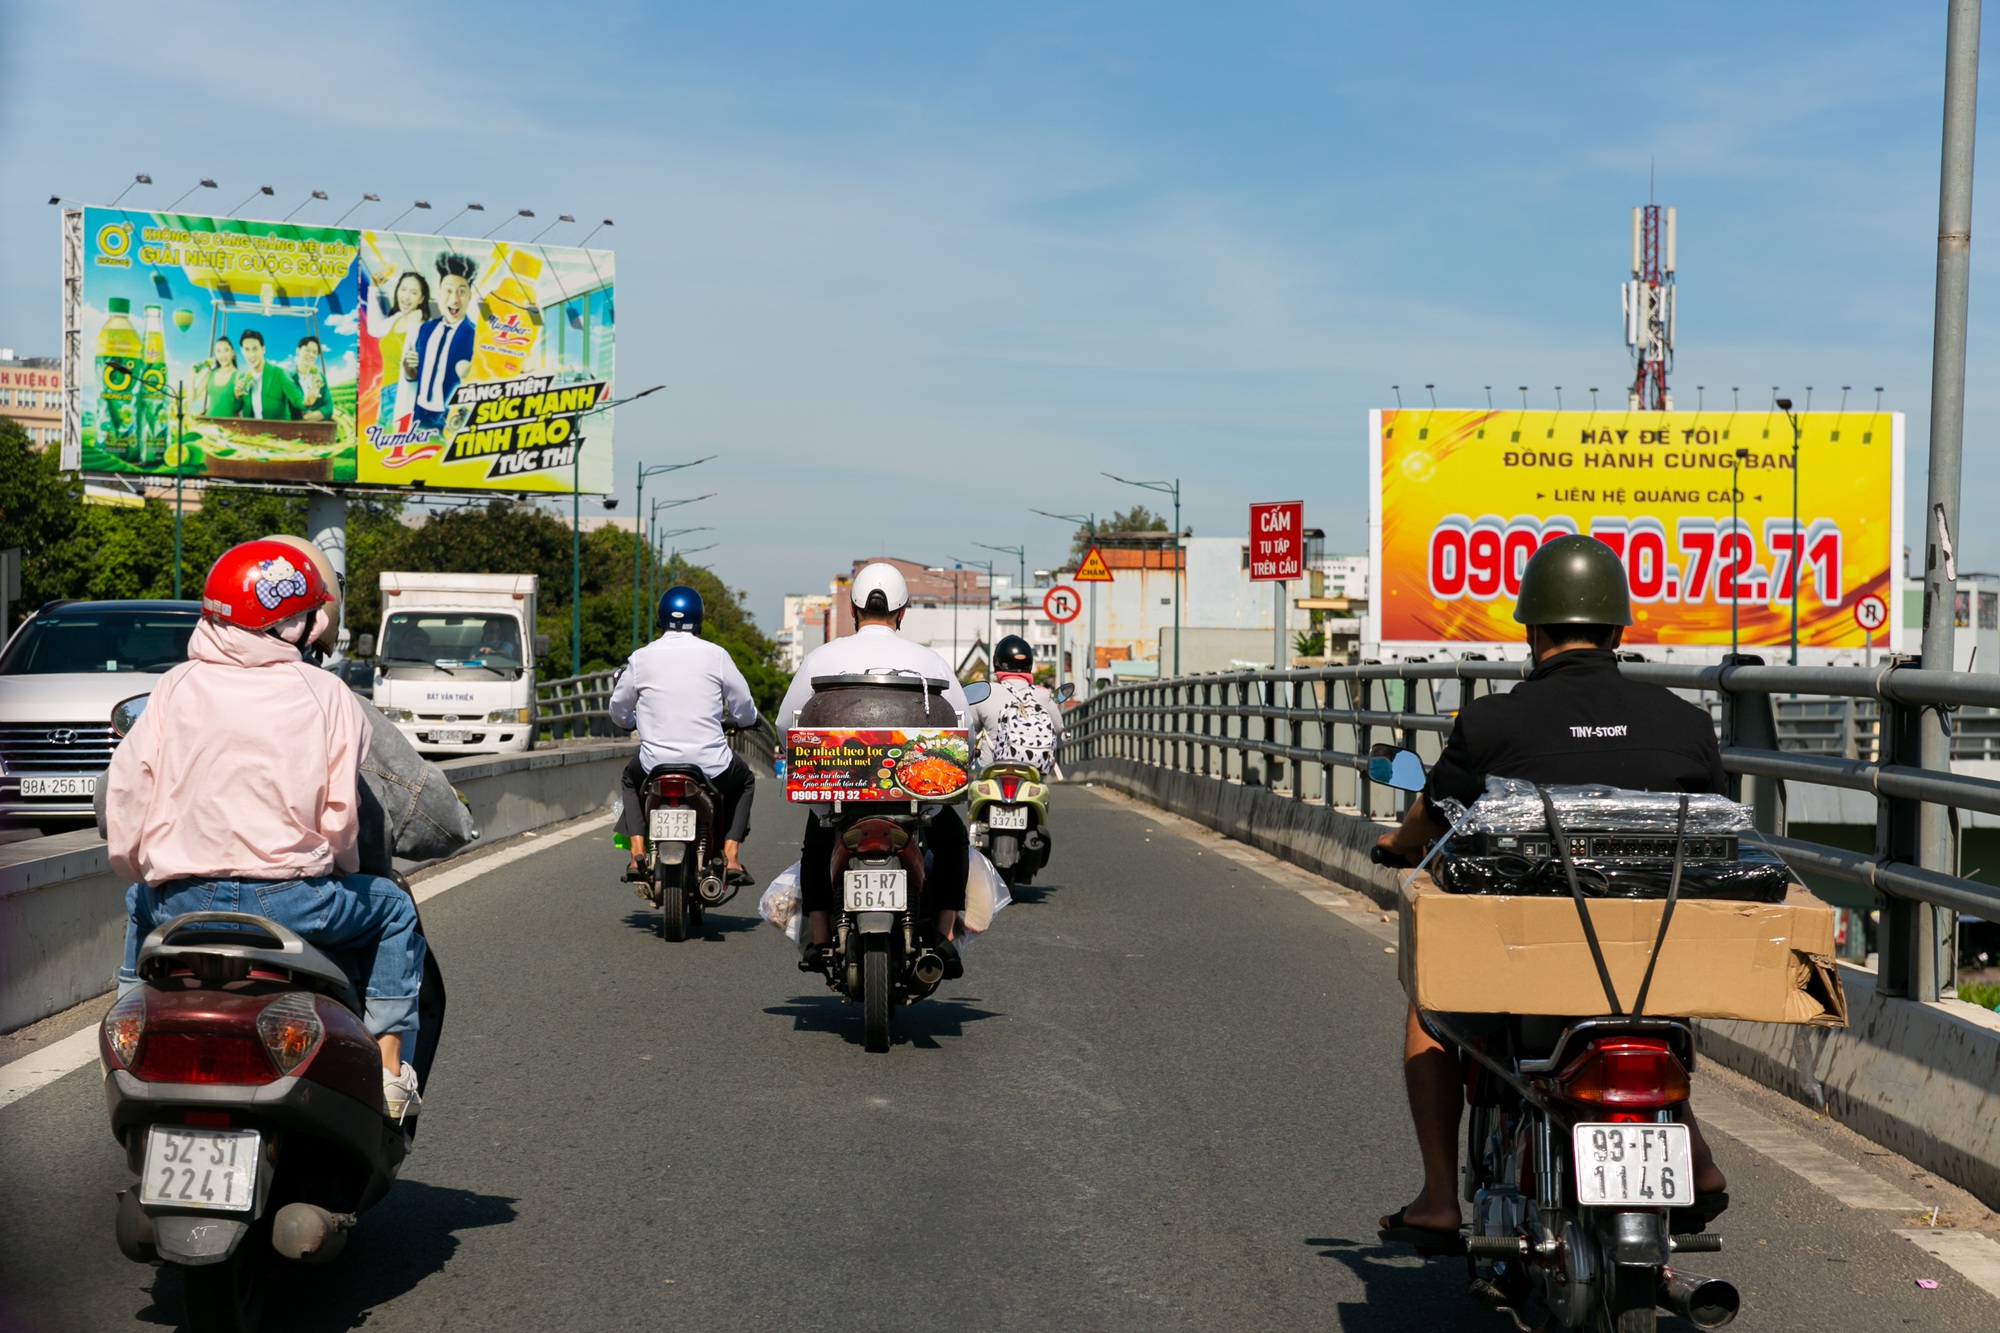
[(509, 715), (399, 715)]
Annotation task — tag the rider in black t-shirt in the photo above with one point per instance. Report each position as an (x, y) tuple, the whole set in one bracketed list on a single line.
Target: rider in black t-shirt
[(1575, 719)]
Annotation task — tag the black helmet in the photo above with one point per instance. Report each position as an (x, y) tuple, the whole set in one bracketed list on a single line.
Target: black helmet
[(680, 609), (1574, 580), (1012, 653)]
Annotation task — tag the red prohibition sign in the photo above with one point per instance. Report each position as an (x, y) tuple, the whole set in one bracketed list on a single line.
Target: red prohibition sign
[(1061, 604), (1871, 613)]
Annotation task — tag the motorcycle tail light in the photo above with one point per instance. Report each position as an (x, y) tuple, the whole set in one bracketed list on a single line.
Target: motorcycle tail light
[(124, 1027), (1626, 1073), (290, 1029), (672, 788), (876, 835), (194, 1057), (1009, 785)]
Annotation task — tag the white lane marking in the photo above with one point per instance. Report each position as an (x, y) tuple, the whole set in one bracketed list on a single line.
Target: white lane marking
[(23, 1076), (33, 1072), (1794, 1151), (1973, 1254), (430, 887)]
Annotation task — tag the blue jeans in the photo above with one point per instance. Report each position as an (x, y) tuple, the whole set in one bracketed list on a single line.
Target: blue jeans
[(366, 923)]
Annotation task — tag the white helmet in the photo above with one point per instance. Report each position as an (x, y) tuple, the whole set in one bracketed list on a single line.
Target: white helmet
[(879, 589)]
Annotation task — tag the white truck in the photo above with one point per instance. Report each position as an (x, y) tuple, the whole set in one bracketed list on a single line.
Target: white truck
[(455, 661)]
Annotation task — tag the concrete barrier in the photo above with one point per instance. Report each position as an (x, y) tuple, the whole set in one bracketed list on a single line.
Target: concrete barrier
[(62, 909), (1920, 1079)]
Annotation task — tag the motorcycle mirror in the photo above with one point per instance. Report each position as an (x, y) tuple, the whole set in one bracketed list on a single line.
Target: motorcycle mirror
[(365, 646), (1066, 692), (125, 714), (541, 645), (1396, 768), (977, 691)]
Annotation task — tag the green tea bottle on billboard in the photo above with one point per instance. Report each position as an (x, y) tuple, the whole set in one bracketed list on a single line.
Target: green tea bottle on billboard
[(153, 408), (119, 354)]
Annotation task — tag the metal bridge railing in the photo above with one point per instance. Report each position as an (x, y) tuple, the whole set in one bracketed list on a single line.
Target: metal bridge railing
[(573, 707), (1306, 734)]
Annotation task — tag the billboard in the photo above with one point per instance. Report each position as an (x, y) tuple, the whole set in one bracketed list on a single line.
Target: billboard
[(1461, 499), (280, 352)]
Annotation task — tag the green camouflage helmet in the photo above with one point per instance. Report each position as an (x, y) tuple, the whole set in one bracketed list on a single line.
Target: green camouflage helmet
[(1574, 581)]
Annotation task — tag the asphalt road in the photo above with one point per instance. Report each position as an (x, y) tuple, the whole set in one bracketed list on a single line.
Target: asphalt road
[(1165, 1096)]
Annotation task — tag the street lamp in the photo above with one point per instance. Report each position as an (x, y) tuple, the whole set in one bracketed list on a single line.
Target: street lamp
[(653, 540), (203, 184), (1172, 488), (1735, 567), (1020, 589), (987, 565), (638, 507), (1088, 522), (1792, 566), (576, 528)]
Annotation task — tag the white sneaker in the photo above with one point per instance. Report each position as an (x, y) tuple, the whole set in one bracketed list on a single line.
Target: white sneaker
[(400, 1100)]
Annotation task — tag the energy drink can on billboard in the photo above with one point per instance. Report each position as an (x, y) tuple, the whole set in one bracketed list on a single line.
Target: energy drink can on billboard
[(119, 358)]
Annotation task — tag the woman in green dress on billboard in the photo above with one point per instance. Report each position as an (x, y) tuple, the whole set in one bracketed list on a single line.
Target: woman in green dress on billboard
[(215, 382)]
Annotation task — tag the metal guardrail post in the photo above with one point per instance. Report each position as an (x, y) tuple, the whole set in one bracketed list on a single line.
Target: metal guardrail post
[(1749, 723), (1912, 959)]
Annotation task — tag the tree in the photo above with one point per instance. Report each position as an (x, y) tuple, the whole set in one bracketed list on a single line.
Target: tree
[(1136, 519), (39, 506)]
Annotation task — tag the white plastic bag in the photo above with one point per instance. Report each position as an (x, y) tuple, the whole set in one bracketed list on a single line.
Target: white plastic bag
[(985, 893), (780, 903)]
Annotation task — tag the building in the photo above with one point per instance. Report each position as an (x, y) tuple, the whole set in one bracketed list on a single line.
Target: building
[(31, 393), (954, 611)]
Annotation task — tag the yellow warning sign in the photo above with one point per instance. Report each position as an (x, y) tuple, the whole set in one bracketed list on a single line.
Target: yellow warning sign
[(1092, 569)]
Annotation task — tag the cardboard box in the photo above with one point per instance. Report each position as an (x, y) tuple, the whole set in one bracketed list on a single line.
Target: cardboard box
[(1490, 953)]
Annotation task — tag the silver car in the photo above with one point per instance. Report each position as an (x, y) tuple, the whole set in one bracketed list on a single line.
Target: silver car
[(60, 675)]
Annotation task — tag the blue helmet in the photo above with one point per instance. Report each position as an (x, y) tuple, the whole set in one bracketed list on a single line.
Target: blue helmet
[(680, 609)]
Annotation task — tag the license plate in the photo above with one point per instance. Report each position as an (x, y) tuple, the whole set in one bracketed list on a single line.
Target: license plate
[(85, 786), (674, 824), (1001, 816), (200, 1168), (1634, 1166), (451, 737), (877, 890)]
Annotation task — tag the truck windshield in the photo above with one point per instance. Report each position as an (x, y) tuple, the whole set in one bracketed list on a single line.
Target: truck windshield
[(452, 639), (100, 640)]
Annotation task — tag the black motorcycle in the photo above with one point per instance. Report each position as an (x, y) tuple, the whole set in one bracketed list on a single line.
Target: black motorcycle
[(685, 869)]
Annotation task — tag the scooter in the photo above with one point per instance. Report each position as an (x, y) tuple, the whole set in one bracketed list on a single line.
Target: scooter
[(247, 1096), (1010, 817), (1578, 1167)]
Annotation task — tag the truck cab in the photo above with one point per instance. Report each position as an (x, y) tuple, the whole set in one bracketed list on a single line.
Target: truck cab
[(455, 661)]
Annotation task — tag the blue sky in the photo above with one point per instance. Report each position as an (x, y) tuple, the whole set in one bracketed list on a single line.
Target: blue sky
[(910, 269)]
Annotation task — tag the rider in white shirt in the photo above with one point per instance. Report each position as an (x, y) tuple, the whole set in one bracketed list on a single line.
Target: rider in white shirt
[(879, 596), (677, 691)]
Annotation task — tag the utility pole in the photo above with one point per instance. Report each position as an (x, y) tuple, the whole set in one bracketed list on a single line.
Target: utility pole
[(1172, 488), (1089, 524), (180, 458), (638, 508)]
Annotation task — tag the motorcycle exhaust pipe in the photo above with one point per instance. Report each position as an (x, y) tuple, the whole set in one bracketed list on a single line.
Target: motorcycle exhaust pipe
[(1705, 1302), (307, 1233), (927, 969)]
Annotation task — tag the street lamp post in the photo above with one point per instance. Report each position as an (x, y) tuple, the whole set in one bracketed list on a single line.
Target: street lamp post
[(1735, 568), (639, 507), (1088, 522), (1020, 553), (1792, 566), (987, 565), (576, 523), (180, 458), (1172, 488)]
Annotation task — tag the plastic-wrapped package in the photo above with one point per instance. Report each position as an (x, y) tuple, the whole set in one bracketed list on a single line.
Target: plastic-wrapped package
[(985, 894), (780, 903), (1513, 806)]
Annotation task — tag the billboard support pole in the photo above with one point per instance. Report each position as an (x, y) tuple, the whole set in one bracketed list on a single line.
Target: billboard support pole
[(1928, 965), (180, 436)]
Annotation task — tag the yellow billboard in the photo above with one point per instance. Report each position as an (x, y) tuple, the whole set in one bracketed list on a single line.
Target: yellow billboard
[(1698, 504)]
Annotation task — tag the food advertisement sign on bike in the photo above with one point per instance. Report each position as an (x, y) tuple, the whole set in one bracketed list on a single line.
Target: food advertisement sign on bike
[(848, 764), (323, 354), (1697, 504)]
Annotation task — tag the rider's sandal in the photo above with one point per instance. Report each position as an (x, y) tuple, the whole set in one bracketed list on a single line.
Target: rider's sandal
[(1426, 1241), (740, 878), (1699, 1216), (635, 873)]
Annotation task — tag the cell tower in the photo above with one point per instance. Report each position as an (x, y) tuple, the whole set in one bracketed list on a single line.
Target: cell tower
[(1649, 307)]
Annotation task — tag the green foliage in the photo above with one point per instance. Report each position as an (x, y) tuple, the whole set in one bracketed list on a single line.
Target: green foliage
[(38, 512), (1309, 645), (1985, 994), (1136, 519)]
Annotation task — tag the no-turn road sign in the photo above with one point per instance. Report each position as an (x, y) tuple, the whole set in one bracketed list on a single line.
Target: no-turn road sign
[(1871, 613), (1061, 604)]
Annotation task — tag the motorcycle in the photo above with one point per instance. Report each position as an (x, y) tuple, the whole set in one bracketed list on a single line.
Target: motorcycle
[(685, 869), (885, 951), (247, 1095), (1578, 1163), (1010, 816)]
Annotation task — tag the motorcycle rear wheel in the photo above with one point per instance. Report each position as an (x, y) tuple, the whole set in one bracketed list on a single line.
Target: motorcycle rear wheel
[(227, 1297), (877, 1001), (673, 903)]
